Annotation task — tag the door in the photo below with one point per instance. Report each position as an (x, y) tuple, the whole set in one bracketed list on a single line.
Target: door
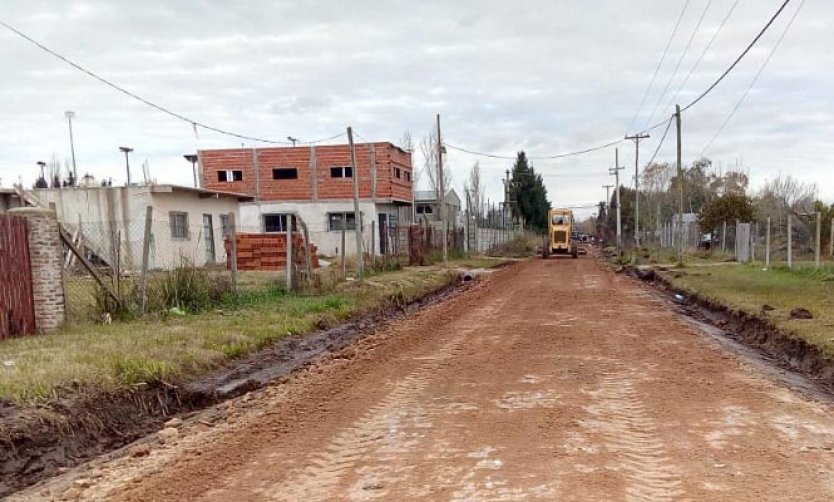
[(383, 233), (208, 235)]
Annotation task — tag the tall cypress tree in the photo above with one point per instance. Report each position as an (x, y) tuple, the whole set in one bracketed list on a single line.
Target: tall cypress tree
[(529, 194)]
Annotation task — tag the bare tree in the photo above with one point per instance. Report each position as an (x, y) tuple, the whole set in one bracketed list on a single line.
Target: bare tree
[(428, 148), (475, 188), (407, 144)]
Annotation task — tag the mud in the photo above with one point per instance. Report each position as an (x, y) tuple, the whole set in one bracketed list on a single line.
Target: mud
[(36, 443), (753, 331)]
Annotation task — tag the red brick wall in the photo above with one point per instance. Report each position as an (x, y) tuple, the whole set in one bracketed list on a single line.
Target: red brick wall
[(267, 251), (301, 188)]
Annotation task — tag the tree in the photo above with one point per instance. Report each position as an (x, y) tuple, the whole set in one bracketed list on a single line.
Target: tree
[(529, 194), (428, 148), (474, 189), (728, 207)]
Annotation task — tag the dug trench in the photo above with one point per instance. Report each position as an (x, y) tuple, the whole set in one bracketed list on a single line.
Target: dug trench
[(83, 423), (755, 332)]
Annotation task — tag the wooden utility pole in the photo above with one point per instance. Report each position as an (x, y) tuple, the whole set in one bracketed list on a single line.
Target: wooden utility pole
[(680, 184), (818, 240), (289, 253), (233, 250), (616, 172), (637, 138), (442, 195), (357, 216), (146, 247)]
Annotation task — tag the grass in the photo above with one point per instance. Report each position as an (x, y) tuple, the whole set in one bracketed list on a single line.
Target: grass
[(749, 287), (173, 349)]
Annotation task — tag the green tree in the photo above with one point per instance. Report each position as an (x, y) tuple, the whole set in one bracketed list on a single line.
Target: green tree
[(529, 194), (728, 207)]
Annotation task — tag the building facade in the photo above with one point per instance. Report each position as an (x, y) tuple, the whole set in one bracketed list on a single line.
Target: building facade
[(109, 222), (316, 184)]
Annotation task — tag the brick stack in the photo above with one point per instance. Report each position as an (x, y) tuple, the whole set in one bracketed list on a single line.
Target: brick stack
[(268, 251)]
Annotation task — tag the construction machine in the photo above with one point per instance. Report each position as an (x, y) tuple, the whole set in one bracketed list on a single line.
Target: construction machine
[(560, 233)]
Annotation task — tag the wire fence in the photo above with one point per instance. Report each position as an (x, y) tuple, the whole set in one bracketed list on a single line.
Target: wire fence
[(789, 240)]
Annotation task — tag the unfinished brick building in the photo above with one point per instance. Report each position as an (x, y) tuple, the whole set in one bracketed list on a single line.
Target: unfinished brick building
[(316, 183)]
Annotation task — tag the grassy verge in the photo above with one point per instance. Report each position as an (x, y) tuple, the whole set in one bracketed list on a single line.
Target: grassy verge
[(175, 348), (749, 287)]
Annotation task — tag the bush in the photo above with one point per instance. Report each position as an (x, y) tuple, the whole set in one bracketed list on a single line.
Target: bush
[(519, 246), (187, 288)]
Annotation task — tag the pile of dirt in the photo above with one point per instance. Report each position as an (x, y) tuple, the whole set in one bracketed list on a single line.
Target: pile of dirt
[(752, 330), (37, 443)]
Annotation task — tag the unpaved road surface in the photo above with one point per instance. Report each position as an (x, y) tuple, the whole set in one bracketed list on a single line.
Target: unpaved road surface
[(553, 380)]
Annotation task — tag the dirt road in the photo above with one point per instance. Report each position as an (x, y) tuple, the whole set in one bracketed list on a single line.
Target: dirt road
[(551, 380)]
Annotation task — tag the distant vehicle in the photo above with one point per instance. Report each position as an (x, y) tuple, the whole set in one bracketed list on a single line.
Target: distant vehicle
[(560, 234)]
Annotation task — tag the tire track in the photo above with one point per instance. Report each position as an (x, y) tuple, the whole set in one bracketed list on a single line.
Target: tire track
[(384, 432), (631, 434)]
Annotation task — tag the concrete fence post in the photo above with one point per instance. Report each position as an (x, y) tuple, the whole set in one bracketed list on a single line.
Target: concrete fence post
[(289, 252), (767, 244), (46, 263), (233, 250), (818, 239), (724, 239), (790, 242)]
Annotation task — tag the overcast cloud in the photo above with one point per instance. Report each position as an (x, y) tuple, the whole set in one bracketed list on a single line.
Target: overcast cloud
[(545, 76)]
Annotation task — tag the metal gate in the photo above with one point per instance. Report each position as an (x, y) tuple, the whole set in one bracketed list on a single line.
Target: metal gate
[(17, 309)]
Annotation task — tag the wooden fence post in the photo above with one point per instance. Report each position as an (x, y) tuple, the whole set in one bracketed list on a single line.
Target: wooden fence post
[(344, 264), (146, 247)]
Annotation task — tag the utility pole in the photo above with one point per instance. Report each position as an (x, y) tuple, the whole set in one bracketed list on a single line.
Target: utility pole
[(608, 195), (442, 195), (190, 157), (680, 184), (616, 172), (637, 138), (357, 216), (69, 115)]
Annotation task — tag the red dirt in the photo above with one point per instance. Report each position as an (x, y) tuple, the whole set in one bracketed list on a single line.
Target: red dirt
[(551, 380)]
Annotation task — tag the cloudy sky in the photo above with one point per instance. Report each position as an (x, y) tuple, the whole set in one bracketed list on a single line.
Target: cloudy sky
[(544, 76)]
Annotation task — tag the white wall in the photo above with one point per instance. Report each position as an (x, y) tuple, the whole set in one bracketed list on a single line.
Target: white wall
[(109, 215), (314, 215)]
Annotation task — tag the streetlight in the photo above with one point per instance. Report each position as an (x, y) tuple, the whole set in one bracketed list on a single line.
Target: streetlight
[(42, 165), (70, 115), (127, 151), (193, 159), (293, 140)]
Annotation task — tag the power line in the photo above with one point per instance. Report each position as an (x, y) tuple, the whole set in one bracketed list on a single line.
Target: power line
[(194, 123), (680, 60), (545, 157), (738, 59), (657, 69), (704, 52), (755, 78), (660, 143)]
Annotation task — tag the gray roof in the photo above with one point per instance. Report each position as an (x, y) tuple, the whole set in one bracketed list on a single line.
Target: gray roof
[(431, 196)]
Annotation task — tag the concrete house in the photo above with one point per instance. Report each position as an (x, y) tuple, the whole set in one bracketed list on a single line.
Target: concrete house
[(427, 207), (109, 222), (316, 183)]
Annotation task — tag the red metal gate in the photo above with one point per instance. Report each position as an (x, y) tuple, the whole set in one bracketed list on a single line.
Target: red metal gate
[(17, 309)]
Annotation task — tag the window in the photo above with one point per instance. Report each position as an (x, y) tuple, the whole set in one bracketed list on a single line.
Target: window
[(225, 225), (341, 172), (285, 173), (275, 223), (397, 172), (424, 209), (179, 225), (229, 175), (337, 221), (407, 175)]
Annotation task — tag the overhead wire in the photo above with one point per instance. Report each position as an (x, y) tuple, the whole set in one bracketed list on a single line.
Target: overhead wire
[(704, 52), (739, 58), (662, 139), (755, 78), (657, 68), (194, 123), (680, 60)]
